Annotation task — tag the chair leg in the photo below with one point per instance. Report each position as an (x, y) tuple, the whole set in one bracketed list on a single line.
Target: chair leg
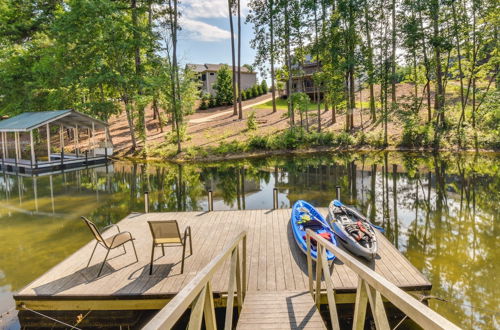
[(183, 256), (102, 266), (152, 256), (163, 249), (124, 249), (135, 252), (95, 247)]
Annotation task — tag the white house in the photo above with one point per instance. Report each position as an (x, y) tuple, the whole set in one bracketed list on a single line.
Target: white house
[(207, 73)]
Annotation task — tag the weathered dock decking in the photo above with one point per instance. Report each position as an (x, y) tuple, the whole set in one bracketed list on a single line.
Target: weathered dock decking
[(274, 263)]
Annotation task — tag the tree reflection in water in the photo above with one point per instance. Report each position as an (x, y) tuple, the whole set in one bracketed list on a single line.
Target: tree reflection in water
[(439, 210)]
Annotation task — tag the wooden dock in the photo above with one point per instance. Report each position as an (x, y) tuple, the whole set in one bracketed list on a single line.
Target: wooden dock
[(274, 264)]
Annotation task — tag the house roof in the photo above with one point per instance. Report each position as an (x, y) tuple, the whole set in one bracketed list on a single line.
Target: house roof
[(28, 121), (213, 67)]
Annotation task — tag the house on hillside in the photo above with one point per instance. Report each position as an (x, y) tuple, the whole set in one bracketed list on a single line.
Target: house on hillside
[(302, 76), (207, 73)]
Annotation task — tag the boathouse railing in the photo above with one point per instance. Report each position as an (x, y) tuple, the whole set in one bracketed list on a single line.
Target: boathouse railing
[(371, 288), (198, 295)]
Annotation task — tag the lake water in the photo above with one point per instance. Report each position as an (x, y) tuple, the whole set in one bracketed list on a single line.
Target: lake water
[(440, 211)]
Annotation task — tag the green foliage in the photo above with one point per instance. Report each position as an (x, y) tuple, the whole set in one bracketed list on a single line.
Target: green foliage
[(252, 122), (224, 86), (255, 90), (258, 142), (212, 101), (249, 93), (205, 100), (243, 95), (263, 87)]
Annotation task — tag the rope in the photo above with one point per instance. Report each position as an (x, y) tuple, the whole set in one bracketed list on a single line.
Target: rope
[(50, 318)]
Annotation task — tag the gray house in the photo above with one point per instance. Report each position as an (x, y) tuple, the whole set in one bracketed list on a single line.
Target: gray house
[(207, 73)]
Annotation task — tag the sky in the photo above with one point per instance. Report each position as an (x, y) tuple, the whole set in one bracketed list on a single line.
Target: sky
[(205, 33)]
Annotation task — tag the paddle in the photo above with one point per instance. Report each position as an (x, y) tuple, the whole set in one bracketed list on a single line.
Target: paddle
[(381, 229)]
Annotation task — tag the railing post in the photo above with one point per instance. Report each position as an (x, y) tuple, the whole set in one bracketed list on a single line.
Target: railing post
[(210, 201), (146, 201), (309, 263), (275, 198), (337, 193), (86, 158), (244, 268)]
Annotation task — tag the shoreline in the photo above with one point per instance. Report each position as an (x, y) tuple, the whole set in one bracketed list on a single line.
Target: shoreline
[(183, 158)]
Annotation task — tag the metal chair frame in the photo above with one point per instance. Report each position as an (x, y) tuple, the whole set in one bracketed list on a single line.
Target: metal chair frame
[(101, 241), (187, 233)]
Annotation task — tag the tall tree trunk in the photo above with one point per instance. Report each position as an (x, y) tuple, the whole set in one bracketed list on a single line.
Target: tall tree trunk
[(175, 72), (373, 113), (138, 73), (130, 122), (439, 98), (289, 65), (230, 8), (240, 107), (271, 46), (427, 67), (316, 89), (393, 56), (460, 72)]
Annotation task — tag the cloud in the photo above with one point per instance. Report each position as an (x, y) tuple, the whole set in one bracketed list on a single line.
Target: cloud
[(201, 31), (208, 9)]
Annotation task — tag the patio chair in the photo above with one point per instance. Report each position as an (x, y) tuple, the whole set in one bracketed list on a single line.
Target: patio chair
[(111, 242), (167, 233)]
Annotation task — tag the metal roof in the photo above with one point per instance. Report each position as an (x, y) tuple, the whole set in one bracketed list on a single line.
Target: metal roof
[(27, 121)]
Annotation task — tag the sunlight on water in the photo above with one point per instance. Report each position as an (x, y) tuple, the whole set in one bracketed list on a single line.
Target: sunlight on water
[(440, 211)]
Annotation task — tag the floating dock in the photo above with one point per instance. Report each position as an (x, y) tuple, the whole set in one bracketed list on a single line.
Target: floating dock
[(274, 264)]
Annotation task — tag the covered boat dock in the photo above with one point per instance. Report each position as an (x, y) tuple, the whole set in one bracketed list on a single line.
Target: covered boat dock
[(50, 141)]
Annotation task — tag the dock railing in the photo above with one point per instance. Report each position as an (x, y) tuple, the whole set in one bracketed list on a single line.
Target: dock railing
[(198, 295), (371, 288)]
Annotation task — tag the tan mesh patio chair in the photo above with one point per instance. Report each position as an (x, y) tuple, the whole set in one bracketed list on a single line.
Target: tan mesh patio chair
[(167, 233), (109, 243)]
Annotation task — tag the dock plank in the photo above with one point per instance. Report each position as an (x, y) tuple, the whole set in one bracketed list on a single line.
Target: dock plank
[(284, 310), (274, 261)]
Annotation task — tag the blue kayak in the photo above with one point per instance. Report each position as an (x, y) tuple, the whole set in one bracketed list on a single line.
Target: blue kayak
[(305, 216)]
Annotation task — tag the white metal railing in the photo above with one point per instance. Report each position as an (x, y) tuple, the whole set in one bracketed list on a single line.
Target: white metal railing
[(371, 287), (198, 295)]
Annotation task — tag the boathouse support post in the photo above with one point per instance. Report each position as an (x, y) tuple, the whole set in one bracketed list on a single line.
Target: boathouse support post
[(210, 201), (16, 143), (76, 141), (93, 141), (337, 193), (275, 198), (32, 149), (47, 129), (146, 201), (61, 141), (3, 152)]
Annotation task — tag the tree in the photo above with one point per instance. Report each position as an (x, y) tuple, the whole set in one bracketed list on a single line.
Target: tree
[(230, 4), (224, 86)]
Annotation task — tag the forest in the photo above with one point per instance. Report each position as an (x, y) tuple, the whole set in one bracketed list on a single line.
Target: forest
[(105, 57)]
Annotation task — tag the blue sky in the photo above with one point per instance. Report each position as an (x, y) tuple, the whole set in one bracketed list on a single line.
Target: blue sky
[(205, 36)]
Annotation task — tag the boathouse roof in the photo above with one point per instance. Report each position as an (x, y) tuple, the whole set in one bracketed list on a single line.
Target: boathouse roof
[(28, 121)]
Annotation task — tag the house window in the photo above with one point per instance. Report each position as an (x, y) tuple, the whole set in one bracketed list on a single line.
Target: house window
[(211, 73), (203, 77), (294, 85)]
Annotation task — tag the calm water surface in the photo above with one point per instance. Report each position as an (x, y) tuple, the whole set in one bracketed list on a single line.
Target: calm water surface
[(440, 211)]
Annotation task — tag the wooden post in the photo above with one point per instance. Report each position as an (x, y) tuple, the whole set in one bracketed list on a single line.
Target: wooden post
[(146, 202), (275, 198), (76, 140), (61, 139), (3, 152), (93, 141), (337, 189), (16, 142), (47, 129), (210, 201), (32, 146), (6, 147)]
